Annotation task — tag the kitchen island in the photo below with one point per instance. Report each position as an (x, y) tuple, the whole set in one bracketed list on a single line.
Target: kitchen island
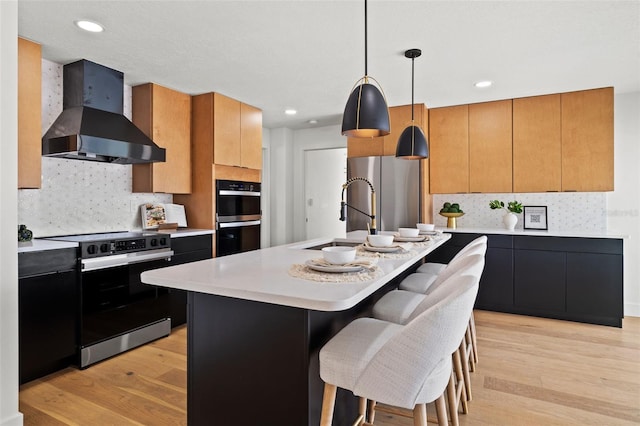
[(254, 331)]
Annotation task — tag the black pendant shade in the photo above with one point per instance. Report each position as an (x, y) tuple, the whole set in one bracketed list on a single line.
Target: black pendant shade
[(366, 114), (412, 144)]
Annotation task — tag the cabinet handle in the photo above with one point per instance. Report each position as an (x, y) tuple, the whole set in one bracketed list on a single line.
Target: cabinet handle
[(570, 190), (552, 190)]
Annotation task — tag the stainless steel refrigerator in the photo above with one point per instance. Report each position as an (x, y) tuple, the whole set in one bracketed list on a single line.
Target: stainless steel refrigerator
[(397, 186)]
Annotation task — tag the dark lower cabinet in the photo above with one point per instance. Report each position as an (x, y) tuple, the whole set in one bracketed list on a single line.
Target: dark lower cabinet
[(48, 312), (539, 280), (578, 279), (186, 249)]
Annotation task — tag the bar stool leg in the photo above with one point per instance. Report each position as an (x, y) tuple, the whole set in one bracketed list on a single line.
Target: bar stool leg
[(328, 404), (420, 414)]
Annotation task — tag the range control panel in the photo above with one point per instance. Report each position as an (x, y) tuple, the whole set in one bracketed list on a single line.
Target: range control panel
[(91, 249)]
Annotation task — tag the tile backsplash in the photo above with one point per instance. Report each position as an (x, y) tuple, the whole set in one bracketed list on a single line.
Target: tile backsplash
[(79, 196), (566, 211)]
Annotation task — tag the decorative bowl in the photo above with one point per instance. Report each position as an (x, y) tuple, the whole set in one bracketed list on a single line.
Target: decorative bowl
[(425, 226), (451, 219), (380, 240), (339, 255), (408, 232)]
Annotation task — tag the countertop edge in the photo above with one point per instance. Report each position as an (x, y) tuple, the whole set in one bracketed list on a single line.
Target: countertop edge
[(535, 233)]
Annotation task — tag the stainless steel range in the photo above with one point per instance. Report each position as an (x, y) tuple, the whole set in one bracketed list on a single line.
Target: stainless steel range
[(117, 311)]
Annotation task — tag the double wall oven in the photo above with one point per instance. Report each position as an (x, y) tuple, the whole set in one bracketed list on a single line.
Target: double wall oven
[(238, 217), (117, 311)]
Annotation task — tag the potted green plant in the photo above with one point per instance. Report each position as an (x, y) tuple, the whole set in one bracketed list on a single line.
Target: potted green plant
[(509, 219)]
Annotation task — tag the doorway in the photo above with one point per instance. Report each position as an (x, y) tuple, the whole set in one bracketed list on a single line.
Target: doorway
[(325, 172)]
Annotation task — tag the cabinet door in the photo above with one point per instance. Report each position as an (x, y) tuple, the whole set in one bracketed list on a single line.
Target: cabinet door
[(165, 116), (490, 147), (226, 131), (496, 284), (539, 280), (251, 137), (587, 140), (594, 284), (537, 147), (29, 114), (449, 150), (48, 306)]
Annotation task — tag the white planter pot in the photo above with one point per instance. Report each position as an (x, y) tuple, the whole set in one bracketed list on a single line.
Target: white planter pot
[(510, 219)]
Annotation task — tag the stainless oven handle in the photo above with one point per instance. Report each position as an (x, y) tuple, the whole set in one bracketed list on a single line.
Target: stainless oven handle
[(247, 193), (238, 224), (237, 218), (125, 259)]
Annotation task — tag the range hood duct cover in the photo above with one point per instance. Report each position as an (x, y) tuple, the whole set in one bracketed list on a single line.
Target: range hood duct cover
[(92, 125)]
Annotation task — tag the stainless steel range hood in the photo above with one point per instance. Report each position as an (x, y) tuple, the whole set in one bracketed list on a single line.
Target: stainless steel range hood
[(91, 125)]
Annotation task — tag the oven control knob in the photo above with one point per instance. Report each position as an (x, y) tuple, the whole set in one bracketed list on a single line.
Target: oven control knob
[(163, 241), (104, 248), (154, 242), (92, 249)]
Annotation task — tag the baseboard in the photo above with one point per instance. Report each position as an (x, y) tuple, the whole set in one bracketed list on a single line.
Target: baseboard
[(632, 309), (14, 420)]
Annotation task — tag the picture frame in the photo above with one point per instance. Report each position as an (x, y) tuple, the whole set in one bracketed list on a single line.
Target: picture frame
[(535, 217)]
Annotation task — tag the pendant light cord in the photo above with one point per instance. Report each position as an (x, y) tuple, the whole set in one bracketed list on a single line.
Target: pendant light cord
[(365, 38), (412, 68)]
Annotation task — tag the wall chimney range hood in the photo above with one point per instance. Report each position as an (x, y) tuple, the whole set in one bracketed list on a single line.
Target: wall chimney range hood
[(92, 125)]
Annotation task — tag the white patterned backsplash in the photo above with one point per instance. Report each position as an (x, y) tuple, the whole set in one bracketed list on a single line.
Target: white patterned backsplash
[(77, 196), (566, 211)]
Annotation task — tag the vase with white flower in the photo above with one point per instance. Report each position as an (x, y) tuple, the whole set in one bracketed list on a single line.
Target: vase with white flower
[(512, 208)]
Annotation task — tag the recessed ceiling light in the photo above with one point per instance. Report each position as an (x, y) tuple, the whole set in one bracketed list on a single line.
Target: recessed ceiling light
[(482, 84), (90, 26), (290, 111), (313, 121)]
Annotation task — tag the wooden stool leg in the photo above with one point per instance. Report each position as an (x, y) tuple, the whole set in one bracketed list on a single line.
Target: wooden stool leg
[(465, 368), (469, 348), (372, 412), (474, 337), (420, 414), (328, 404), (452, 400), (441, 411), (461, 389), (362, 409)]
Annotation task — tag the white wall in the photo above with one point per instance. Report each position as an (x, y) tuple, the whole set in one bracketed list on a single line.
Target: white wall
[(623, 204), (9, 414)]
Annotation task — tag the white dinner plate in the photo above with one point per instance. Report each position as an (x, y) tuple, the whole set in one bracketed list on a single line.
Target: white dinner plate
[(389, 249), (333, 268), (409, 239)]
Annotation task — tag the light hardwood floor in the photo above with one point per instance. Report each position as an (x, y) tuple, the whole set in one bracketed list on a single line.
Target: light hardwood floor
[(531, 371)]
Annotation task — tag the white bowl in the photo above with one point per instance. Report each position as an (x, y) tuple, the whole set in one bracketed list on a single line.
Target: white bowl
[(339, 255), (408, 232), (380, 240), (425, 226)]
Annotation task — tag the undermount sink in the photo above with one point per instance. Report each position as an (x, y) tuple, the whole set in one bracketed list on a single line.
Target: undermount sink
[(333, 244)]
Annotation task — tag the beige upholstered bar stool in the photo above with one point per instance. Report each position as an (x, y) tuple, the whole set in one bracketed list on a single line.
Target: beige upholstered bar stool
[(401, 366), (420, 282), (435, 268), (400, 306)]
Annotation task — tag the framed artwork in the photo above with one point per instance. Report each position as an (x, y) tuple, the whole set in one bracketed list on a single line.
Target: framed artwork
[(535, 217)]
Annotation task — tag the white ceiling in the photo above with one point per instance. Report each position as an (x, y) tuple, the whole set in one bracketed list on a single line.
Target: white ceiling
[(307, 54)]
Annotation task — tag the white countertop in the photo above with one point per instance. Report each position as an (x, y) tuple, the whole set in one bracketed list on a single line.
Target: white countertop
[(262, 275), (40, 245), (186, 232), (533, 232)]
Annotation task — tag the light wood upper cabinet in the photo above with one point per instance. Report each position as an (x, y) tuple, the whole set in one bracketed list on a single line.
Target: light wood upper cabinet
[(399, 118), (29, 114), (165, 116), (237, 133), (537, 144), (490, 147), (226, 130), (587, 140), (250, 137), (449, 149)]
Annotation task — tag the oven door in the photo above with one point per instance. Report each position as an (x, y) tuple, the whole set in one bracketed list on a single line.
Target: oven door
[(237, 237), (115, 301)]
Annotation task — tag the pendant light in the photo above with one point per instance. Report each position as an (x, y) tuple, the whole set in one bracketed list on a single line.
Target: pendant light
[(366, 114), (412, 144)]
